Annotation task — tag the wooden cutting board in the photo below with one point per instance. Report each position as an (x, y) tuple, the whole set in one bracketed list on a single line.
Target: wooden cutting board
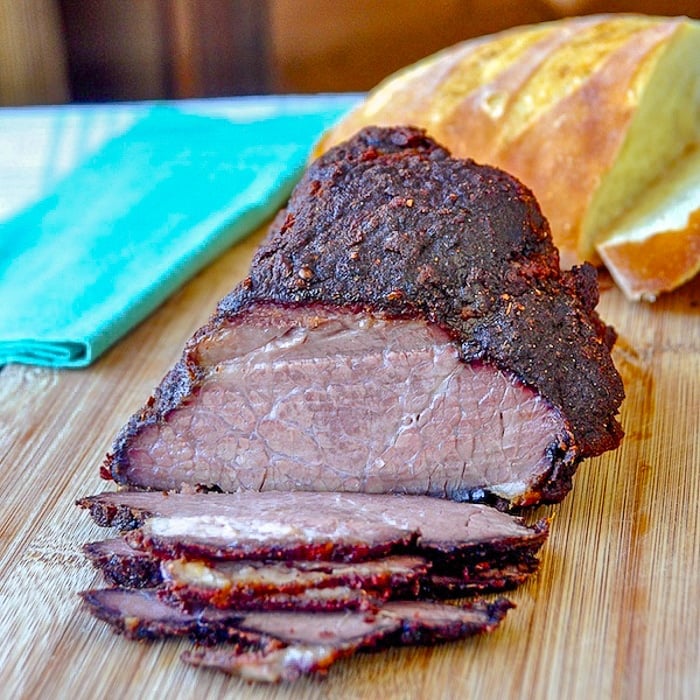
[(613, 613)]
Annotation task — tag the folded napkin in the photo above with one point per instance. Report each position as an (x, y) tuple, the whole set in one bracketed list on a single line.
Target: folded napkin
[(127, 227)]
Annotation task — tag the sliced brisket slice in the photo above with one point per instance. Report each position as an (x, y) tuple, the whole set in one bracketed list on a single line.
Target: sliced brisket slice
[(479, 578), (225, 584), (329, 599), (122, 565), (140, 614), (314, 644), (214, 582), (275, 585), (272, 525), (284, 664), (404, 328)]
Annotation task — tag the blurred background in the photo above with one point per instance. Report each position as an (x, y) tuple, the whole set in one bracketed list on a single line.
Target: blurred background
[(57, 51)]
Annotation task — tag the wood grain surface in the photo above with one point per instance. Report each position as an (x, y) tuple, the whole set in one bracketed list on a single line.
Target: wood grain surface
[(613, 613)]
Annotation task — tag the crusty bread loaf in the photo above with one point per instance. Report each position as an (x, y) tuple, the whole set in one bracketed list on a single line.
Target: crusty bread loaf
[(593, 113), (655, 246)]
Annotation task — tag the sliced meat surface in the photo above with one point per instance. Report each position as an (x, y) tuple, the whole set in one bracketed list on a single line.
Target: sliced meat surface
[(222, 583), (141, 614), (313, 647), (339, 401), (327, 599), (480, 578), (404, 328), (314, 525), (231, 584), (415, 622)]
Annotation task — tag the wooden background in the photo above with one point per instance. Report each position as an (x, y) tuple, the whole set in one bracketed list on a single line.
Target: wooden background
[(613, 613)]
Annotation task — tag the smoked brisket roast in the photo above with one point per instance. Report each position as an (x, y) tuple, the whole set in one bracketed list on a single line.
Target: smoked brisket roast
[(318, 472), (405, 328)]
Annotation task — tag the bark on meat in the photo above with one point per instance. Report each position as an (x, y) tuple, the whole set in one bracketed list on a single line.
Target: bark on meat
[(390, 224)]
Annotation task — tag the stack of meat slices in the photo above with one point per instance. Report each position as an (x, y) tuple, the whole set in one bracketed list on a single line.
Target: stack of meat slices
[(297, 580), (341, 443)]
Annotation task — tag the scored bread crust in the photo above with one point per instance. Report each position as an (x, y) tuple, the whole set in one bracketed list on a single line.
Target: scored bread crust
[(568, 107)]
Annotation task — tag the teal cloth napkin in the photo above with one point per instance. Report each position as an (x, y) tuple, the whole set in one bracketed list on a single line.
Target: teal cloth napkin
[(126, 228)]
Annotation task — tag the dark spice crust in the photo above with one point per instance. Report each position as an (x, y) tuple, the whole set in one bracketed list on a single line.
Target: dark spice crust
[(131, 570), (106, 514), (390, 223)]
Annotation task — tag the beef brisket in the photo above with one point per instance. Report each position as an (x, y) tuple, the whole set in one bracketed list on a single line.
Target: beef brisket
[(275, 585), (273, 525), (140, 614), (329, 586), (329, 599), (404, 328), (213, 581), (312, 645), (478, 577), (405, 332), (275, 665), (243, 547)]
